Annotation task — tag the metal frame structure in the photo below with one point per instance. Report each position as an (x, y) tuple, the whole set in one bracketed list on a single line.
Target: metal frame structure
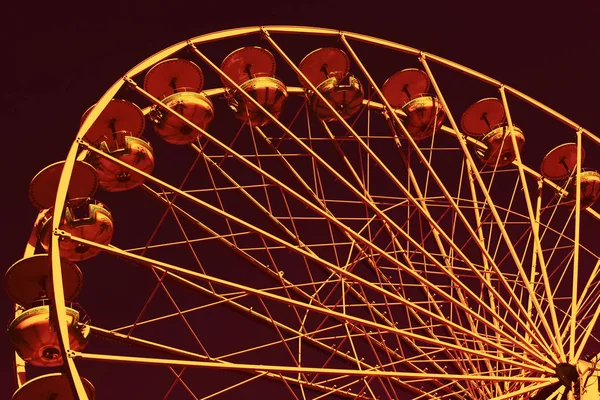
[(437, 287)]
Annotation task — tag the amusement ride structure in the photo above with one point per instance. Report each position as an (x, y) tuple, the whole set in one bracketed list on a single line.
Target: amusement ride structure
[(305, 213)]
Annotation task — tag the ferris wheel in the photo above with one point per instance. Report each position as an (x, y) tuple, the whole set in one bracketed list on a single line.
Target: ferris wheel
[(304, 213)]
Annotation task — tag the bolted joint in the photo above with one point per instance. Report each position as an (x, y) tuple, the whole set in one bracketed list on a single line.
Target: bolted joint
[(61, 233), (264, 34), (71, 353), (129, 83), (189, 47)]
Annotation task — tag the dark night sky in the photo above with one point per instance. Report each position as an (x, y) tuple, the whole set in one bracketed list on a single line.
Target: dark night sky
[(58, 61)]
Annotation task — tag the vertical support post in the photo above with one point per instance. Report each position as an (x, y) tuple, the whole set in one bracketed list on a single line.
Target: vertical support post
[(574, 305), (533, 273)]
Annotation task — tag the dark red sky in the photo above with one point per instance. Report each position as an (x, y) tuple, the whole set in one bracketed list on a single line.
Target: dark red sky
[(58, 61)]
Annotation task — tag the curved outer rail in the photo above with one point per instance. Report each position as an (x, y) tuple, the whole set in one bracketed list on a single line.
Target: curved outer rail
[(57, 289)]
